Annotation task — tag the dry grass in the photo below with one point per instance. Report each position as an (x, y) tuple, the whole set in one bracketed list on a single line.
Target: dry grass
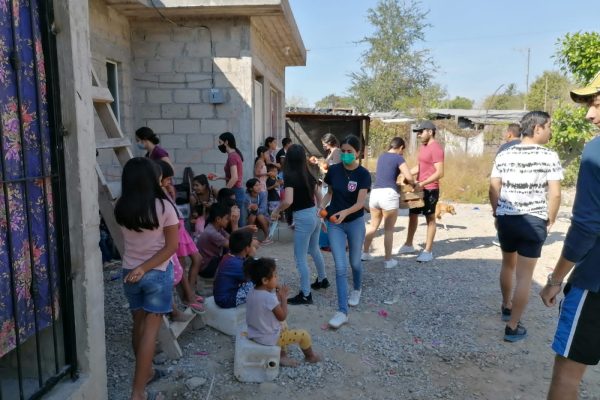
[(466, 179)]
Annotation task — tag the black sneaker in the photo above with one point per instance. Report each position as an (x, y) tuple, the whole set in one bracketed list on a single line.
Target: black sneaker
[(300, 298), (506, 314), (514, 335), (324, 284)]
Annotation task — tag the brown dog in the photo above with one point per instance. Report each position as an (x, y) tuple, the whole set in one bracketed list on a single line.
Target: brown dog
[(444, 208)]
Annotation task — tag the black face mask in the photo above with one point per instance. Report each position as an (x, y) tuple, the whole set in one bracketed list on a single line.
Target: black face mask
[(222, 148)]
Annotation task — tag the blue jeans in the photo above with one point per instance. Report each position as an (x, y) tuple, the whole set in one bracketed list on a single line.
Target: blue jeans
[(240, 196), (306, 241), (354, 234)]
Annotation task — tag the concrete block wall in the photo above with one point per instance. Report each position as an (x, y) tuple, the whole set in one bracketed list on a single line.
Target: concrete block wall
[(267, 64), (110, 40), (173, 73)]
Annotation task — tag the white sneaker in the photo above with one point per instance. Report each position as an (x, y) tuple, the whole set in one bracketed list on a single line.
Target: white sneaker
[(354, 298), (338, 320), (425, 256), (407, 249), (366, 257), (389, 264)]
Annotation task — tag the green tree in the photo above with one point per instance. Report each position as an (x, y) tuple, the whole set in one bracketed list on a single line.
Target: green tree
[(509, 99), (393, 67), (333, 101), (548, 91), (579, 55), (460, 103), (423, 99)]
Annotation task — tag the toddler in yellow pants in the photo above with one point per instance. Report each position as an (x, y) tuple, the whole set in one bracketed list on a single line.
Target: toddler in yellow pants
[(266, 311)]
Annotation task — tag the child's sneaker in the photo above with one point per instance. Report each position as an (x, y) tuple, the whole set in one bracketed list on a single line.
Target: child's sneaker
[(407, 249), (354, 298), (514, 335), (425, 256), (338, 320), (391, 263), (366, 257), (324, 284), (300, 298)]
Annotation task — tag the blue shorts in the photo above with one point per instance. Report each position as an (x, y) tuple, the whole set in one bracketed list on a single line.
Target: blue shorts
[(524, 234), (153, 293), (578, 332)]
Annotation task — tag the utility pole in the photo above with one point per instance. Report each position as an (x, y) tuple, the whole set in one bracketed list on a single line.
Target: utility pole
[(527, 79)]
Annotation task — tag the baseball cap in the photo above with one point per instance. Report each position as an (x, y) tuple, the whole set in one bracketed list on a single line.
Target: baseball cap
[(582, 94), (424, 125)]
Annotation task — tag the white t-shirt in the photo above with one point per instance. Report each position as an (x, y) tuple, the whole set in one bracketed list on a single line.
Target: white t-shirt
[(263, 326), (525, 170)]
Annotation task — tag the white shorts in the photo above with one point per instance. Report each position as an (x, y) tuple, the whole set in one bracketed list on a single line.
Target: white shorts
[(385, 199)]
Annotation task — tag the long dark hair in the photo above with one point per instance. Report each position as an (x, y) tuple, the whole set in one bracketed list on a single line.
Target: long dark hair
[(295, 168), (145, 133), (136, 208), (201, 179), (260, 150), (230, 139)]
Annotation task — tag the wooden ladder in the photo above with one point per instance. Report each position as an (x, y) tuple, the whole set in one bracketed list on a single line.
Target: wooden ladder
[(108, 193)]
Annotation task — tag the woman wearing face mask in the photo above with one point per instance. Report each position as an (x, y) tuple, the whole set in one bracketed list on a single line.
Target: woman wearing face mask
[(233, 171), (147, 140), (348, 183)]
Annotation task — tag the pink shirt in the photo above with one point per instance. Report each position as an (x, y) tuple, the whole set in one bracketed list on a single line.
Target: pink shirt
[(141, 246), (428, 155), (234, 158)]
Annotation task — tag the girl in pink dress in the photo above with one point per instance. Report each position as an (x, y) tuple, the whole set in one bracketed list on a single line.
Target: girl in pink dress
[(186, 248)]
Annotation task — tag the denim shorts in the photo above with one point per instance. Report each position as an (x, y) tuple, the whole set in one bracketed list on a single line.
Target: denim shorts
[(153, 293)]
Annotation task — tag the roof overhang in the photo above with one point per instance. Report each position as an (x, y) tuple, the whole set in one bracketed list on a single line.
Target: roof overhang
[(267, 15)]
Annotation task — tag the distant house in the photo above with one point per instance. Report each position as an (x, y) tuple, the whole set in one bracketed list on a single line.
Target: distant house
[(189, 69)]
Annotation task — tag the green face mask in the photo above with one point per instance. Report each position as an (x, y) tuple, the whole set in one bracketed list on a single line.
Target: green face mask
[(348, 158)]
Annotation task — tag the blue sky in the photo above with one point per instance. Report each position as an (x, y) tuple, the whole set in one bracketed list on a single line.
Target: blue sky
[(477, 44)]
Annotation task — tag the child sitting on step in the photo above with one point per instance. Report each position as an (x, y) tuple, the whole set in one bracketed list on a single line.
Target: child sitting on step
[(266, 311)]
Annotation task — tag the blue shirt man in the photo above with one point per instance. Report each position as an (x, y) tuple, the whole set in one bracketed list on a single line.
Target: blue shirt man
[(577, 339)]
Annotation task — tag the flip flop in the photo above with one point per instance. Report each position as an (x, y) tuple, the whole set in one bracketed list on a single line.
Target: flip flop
[(158, 374), (199, 299), (197, 308)]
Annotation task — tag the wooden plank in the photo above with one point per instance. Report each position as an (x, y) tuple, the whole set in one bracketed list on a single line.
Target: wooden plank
[(168, 341), (112, 143), (101, 95), (107, 211), (108, 120), (179, 327)]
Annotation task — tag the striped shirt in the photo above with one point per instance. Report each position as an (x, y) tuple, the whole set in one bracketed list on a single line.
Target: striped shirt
[(525, 170)]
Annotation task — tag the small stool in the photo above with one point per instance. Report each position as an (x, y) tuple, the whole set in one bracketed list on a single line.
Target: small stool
[(227, 320)]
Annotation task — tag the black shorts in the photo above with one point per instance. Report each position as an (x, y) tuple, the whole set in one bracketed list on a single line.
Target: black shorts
[(578, 332), (524, 234), (430, 198)]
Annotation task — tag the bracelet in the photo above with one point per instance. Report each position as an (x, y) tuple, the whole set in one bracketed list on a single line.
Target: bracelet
[(551, 282)]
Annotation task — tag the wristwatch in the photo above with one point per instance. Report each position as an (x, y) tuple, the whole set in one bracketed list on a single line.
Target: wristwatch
[(551, 282)]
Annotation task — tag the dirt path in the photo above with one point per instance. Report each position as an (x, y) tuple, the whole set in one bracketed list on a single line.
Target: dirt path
[(441, 337)]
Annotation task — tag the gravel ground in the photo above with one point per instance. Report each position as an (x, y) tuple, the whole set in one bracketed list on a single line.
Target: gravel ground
[(422, 331)]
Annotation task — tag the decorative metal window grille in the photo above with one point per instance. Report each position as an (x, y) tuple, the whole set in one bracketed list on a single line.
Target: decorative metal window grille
[(37, 341)]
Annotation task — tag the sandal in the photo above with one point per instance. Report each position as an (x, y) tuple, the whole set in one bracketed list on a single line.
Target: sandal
[(158, 374), (199, 299), (198, 308)]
